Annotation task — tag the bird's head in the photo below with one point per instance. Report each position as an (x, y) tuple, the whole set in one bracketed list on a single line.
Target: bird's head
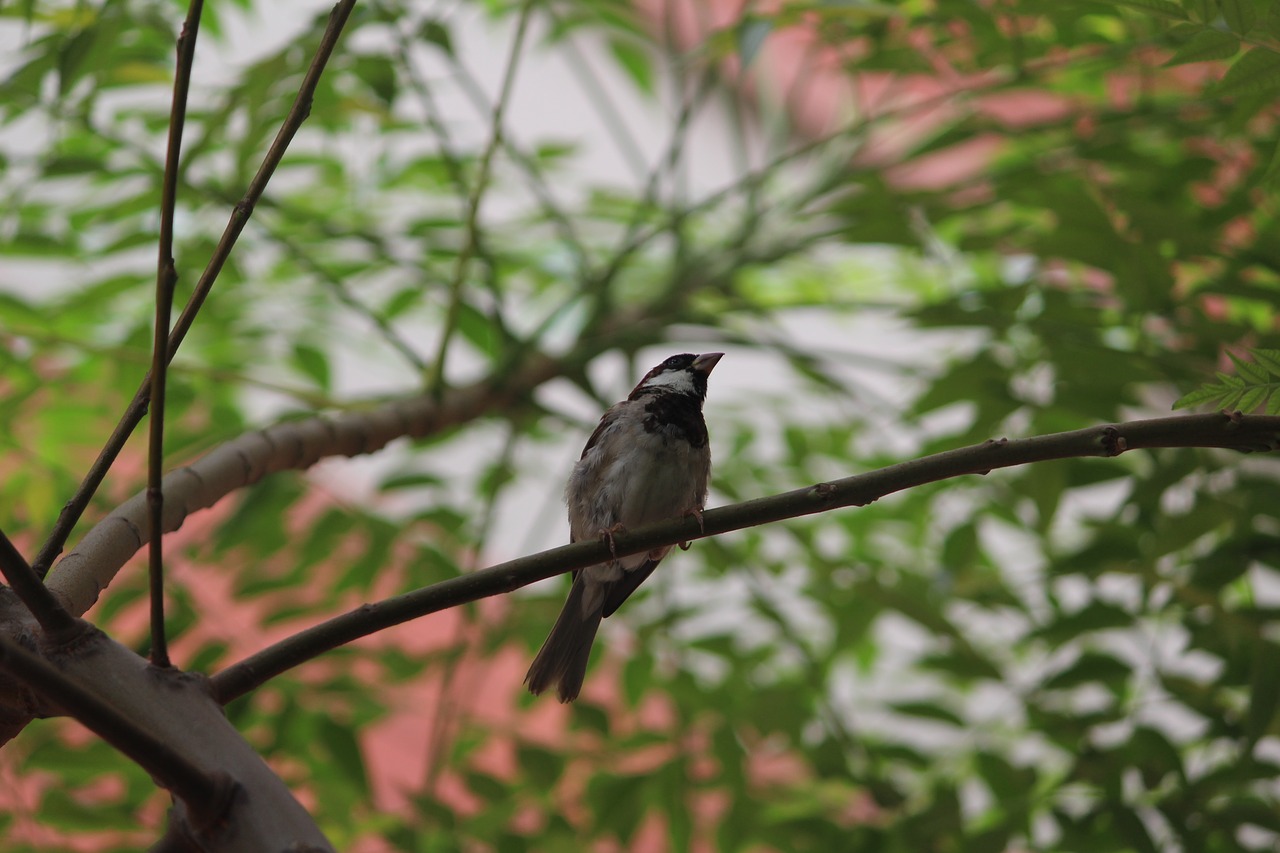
[(685, 373)]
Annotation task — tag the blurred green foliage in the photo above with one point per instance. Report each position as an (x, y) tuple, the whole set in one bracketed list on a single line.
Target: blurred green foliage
[(1078, 655)]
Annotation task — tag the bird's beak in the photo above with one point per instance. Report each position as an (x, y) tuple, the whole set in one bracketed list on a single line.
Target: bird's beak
[(706, 361)]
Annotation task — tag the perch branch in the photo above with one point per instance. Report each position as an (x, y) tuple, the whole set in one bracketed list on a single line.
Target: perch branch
[(1223, 430)]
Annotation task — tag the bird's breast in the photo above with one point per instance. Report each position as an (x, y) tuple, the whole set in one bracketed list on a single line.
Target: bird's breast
[(634, 477)]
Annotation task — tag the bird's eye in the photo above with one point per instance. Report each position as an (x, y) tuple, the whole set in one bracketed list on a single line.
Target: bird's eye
[(673, 362)]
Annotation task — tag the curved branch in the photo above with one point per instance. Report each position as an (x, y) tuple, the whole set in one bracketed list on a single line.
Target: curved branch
[(87, 569), (1240, 432)]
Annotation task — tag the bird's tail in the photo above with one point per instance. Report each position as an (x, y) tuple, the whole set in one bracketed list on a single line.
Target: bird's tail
[(562, 660)]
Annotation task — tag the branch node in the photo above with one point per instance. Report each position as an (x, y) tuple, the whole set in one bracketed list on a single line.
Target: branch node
[(996, 442), (822, 492), (129, 523), (1113, 443)]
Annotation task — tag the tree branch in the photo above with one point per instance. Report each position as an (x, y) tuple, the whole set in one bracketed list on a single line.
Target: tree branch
[(1248, 433), (166, 279), (298, 113), (478, 189), (34, 594), (293, 445), (205, 795)]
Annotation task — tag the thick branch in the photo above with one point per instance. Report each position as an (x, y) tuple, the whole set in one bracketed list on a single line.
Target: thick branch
[(206, 796), (1214, 430), (226, 797)]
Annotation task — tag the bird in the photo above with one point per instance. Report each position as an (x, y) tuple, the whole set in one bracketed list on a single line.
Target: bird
[(648, 460)]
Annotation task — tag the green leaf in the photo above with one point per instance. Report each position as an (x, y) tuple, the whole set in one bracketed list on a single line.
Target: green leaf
[(1090, 667), (1160, 8), (1201, 11), (1205, 46), (1240, 15), (928, 711), (965, 667), (616, 803), (635, 60), (1257, 72), (1205, 394), (1010, 784), (591, 717), (751, 36), (343, 748), (433, 31), (1094, 616), (404, 299), (410, 480), (313, 363), (541, 765), (1252, 373), (1253, 398), (1268, 359), (1264, 690), (478, 329), (379, 74)]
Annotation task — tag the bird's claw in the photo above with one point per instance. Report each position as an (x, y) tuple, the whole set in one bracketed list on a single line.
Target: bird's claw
[(696, 513), (607, 535)]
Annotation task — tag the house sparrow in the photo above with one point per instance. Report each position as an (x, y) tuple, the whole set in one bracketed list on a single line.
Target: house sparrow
[(647, 460)]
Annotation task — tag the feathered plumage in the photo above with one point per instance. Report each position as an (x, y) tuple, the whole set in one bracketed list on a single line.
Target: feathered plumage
[(647, 460)]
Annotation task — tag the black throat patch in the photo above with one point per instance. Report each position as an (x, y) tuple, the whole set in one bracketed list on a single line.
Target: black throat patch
[(680, 413)]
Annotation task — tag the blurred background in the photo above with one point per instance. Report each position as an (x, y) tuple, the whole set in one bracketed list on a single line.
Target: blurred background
[(911, 227)]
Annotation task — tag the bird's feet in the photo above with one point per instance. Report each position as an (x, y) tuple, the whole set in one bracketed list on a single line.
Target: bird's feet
[(696, 513), (607, 535)]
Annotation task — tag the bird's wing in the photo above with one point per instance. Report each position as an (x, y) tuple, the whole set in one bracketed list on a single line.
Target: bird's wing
[(606, 421)]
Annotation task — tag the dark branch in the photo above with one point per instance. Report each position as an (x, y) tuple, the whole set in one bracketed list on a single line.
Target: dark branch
[(1215, 430), (166, 278), (56, 621), (478, 190)]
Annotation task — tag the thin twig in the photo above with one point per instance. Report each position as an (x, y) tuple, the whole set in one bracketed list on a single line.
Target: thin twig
[(666, 164), (27, 585), (1220, 429), (343, 294), (129, 355), (434, 117), (298, 113), (206, 795), (527, 164), (472, 225), (166, 279)]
